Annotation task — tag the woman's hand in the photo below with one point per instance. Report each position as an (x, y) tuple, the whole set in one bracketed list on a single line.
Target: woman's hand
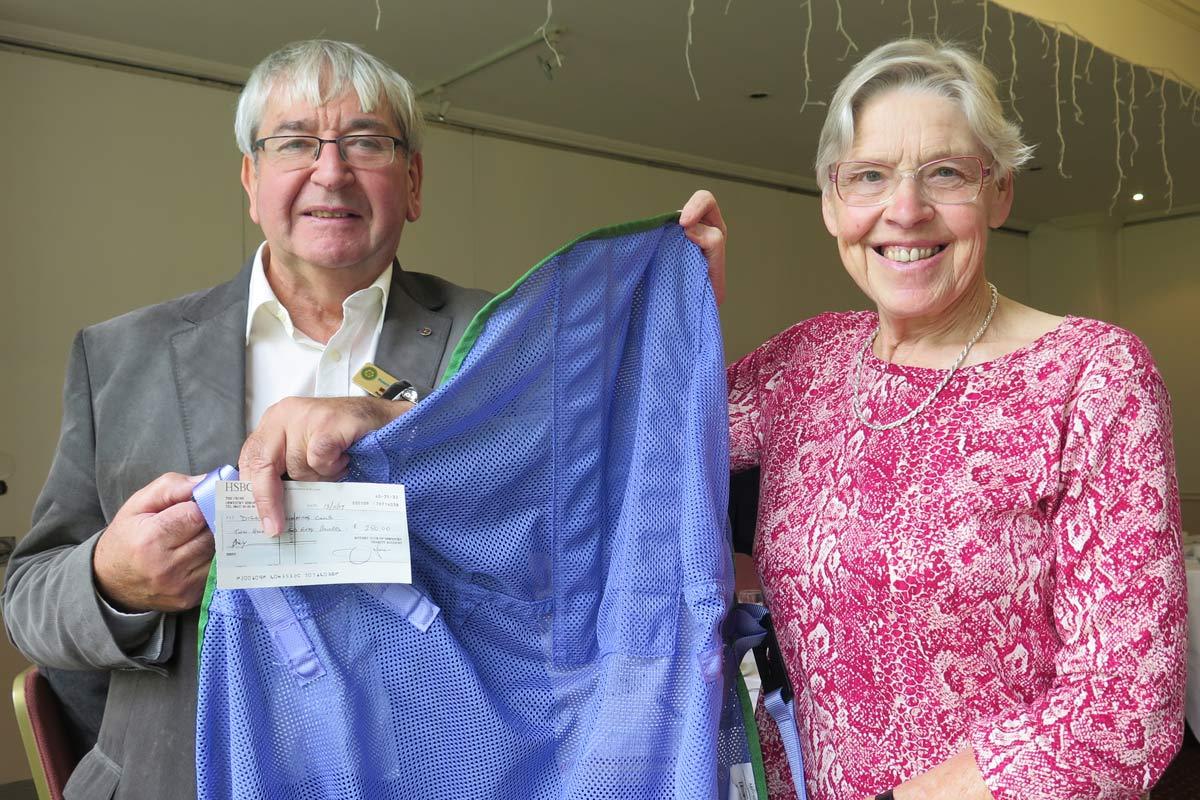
[(703, 225), (956, 778)]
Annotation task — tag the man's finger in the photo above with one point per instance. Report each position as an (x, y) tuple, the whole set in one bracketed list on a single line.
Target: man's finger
[(180, 524), (327, 455), (296, 461), (196, 552), (161, 493), (261, 463)]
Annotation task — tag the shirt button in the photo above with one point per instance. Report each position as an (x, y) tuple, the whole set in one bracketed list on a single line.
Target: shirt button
[(335, 355)]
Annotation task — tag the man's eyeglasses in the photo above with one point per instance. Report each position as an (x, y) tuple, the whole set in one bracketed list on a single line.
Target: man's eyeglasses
[(357, 150), (951, 181)]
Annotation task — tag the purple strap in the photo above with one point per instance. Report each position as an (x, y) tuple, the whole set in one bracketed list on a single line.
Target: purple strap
[(745, 631), (785, 719), (273, 609), (407, 601), (205, 493), (277, 614)]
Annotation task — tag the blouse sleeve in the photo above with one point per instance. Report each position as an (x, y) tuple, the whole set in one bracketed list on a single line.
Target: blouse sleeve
[(744, 436), (753, 381), (1112, 719)]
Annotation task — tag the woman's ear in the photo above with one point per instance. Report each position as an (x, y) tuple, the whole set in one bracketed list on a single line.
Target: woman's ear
[(1002, 204), (829, 214)]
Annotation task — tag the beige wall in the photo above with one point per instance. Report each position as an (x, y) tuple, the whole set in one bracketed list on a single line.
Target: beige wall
[(122, 190), (117, 194)]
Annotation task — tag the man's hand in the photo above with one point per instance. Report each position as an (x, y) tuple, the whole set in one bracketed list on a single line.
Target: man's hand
[(306, 438), (702, 223), (156, 553)]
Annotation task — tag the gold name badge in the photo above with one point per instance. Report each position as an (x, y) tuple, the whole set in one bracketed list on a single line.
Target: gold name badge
[(373, 380)]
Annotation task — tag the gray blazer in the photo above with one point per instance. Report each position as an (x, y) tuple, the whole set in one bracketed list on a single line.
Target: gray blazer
[(157, 390)]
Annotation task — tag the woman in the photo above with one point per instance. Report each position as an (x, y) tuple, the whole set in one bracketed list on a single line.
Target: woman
[(969, 522)]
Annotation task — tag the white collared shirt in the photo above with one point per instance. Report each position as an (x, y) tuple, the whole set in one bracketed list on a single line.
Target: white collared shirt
[(282, 361)]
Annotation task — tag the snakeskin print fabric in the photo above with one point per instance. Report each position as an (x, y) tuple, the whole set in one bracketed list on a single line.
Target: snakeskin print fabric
[(1003, 572)]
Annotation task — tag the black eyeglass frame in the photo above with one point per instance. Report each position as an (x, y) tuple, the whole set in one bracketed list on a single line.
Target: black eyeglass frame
[(397, 144)]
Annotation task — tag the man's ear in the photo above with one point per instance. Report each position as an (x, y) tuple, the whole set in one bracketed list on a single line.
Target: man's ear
[(1002, 204), (829, 214), (250, 184), (416, 170)]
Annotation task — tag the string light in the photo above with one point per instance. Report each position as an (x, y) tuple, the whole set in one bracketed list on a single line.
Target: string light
[(1062, 143), (850, 45), (1012, 76), (1162, 140), (1117, 128), (687, 50), (807, 70), (1074, 80), (545, 36), (983, 32), (1045, 38), (1130, 106), (1189, 95)]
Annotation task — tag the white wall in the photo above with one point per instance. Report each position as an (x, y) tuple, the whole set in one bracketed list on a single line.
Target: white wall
[(122, 189)]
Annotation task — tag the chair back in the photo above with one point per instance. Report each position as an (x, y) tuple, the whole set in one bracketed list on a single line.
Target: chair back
[(44, 734)]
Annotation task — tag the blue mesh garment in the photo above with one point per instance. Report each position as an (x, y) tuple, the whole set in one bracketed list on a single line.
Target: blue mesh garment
[(563, 639)]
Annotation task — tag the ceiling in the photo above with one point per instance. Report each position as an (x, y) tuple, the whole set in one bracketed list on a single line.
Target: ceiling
[(624, 80)]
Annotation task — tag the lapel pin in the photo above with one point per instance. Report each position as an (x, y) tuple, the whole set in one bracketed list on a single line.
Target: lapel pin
[(425, 331)]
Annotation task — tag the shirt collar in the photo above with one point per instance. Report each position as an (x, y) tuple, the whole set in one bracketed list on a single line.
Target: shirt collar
[(261, 295)]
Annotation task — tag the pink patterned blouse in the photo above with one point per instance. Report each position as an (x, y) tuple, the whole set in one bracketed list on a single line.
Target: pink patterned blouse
[(1004, 571)]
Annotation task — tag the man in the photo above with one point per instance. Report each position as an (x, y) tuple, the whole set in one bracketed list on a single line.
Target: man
[(110, 575)]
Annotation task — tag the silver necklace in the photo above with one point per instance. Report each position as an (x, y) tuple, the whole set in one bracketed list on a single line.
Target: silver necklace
[(856, 402)]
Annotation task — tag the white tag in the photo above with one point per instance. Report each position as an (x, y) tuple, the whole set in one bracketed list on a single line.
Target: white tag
[(741, 782), (332, 533)]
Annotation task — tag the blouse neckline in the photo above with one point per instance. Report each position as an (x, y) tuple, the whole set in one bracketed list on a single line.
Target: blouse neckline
[(877, 364)]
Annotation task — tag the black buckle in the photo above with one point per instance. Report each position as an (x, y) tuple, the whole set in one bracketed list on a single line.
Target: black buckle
[(769, 661), (400, 390)]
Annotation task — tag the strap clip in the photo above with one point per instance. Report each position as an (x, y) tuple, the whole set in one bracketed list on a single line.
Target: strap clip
[(769, 661)]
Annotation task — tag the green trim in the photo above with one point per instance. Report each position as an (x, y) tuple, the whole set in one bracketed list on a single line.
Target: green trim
[(752, 743), (475, 328), (210, 586)]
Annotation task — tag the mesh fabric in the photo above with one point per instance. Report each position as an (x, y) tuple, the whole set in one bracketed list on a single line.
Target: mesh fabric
[(566, 507)]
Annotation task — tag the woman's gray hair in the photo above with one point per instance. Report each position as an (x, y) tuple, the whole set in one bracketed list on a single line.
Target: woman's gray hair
[(920, 65), (319, 70)]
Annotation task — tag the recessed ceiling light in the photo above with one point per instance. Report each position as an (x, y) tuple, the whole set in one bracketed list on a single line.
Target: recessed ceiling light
[(759, 95), (1138, 197)]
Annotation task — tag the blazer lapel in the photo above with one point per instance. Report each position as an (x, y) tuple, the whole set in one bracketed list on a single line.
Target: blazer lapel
[(414, 335), (209, 362)]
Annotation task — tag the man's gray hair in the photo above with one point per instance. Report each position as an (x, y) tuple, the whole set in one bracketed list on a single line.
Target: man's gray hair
[(318, 71), (920, 65)]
